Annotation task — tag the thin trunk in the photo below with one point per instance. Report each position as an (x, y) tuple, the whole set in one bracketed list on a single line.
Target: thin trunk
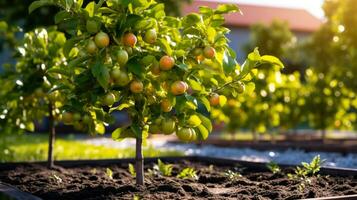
[(272, 137), (139, 162), (255, 136), (323, 135), (52, 133)]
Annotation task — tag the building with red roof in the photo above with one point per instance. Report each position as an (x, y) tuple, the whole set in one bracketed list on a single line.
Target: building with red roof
[(301, 22)]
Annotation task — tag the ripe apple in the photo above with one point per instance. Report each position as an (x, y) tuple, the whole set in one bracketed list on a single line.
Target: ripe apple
[(214, 99), (179, 87), (129, 39), (166, 63), (209, 52), (101, 40), (136, 86)]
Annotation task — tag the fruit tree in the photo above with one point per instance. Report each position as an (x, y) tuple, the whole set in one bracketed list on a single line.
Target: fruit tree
[(162, 70), (29, 88)]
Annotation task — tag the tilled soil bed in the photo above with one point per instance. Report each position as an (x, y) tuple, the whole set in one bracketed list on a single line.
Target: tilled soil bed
[(93, 182)]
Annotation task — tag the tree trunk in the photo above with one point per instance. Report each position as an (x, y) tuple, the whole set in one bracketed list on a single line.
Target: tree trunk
[(323, 135), (232, 135), (139, 162), (272, 137), (52, 133), (255, 136)]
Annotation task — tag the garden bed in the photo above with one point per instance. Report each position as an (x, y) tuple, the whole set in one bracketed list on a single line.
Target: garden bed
[(90, 180)]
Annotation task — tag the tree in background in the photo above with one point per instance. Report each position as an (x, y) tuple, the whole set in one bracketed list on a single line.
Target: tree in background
[(277, 39), (328, 103), (292, 96), (29, 88), (333, 56)]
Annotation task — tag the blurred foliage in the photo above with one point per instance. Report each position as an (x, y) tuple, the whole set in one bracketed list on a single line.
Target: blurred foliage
[(277, 39), (318, 86), (28, 86), (33, 147), (333, 47)]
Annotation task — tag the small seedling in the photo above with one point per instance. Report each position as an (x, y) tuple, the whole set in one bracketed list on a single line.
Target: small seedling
[(273, 167), (93, 171), (188, 173), (232, 175), (109, 173), (132, 169), (56, 178), (161, 169), (307, 171), (211, 168)]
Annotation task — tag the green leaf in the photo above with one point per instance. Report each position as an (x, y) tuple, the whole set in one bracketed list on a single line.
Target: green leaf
[(206, 122), (229, 63), (254, 56), (69, 25), (90, 8), (101, 73), (137, 130), (79, 4), (267, 59), (30, 126), (226, 8), (183, 66), (203, 132), (37, 4), (132, 170), (69, 4), (117, 133), (3, 26), (165, 46), (58, 71), (99, 128), (58, 87), (77, 61), (145, 24), (194, 121), (62, 15), (195, 85), (211, 34), (249, 88), (206, 10), (191, 19), (135, 67), (206, 103)]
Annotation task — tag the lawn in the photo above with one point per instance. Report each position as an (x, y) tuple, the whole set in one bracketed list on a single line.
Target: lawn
[(33, 147)]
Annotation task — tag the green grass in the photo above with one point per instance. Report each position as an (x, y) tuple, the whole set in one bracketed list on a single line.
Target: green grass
[(241, 136), (33, 147)]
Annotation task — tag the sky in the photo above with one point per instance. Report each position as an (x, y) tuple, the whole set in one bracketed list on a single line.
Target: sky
[(313, 6)]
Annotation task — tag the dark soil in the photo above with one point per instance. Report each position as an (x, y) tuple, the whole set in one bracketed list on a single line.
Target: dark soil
[(94, 183)]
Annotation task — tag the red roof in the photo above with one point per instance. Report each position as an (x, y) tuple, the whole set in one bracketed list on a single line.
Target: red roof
[(298, 19)]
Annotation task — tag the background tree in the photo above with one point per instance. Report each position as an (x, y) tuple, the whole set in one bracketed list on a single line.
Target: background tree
[(30, 86), (291, 95), (328, 103), (277, 39)]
